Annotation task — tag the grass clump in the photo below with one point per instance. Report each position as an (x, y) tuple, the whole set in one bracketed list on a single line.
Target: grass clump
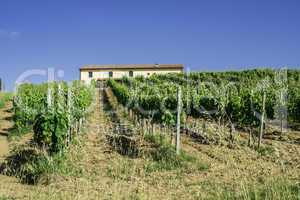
[(4, 97), (278, 189), (32, 165), (123, 170), (275, 189), (5, 198), (202, 166), (266, 150), (163, 155), (2, 104), (16, 133)]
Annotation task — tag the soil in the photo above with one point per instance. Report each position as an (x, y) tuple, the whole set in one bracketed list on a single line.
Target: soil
[(5, 125)]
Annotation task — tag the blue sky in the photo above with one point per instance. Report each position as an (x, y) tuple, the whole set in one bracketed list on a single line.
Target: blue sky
[(202, 35)]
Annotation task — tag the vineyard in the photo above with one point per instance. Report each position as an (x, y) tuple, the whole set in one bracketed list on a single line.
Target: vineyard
[(200, 135), (55, 111), (230, 99)]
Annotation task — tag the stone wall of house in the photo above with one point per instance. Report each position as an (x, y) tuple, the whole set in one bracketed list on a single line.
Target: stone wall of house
[(119, 73)]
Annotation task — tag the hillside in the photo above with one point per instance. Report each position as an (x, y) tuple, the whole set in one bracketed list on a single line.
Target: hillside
[(120, 154)]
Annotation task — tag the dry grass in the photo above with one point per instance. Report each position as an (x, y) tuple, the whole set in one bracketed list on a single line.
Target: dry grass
[(93, 170)]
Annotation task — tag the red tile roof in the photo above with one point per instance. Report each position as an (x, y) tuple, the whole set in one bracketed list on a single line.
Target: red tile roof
[(133, 66)]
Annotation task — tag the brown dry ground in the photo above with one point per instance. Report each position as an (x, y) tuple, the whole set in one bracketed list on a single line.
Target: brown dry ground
[(5, 125), (105, 174)]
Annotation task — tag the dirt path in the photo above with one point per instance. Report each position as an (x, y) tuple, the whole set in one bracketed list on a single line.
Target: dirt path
[(11, 183), (4, 149), (5, 125), (93, 156)]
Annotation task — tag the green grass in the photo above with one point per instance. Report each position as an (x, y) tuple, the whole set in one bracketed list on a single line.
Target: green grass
[(15, 134), (279, 189), (273, 189), (155, 139), (4, 97), (30, 164), (202, 166), (4, 198), (2, 103), (164, 157), (122, 170), (265, 150)]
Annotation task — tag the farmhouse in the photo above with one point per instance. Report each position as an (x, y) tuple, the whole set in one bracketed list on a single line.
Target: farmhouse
[(103, 72)]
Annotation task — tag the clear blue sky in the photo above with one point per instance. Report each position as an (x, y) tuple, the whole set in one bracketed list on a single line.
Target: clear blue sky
[(202, 35)]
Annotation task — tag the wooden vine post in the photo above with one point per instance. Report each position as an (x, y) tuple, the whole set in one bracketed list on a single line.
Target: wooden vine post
[(49, 97), (262, 119), (250, 126), (281, 111), (144, 126), (281, 114), (69, 105), (178, 120)]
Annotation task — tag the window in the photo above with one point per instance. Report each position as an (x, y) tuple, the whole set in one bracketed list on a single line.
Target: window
[(148, 74), (90, 74), (110, 74), (130, 73)]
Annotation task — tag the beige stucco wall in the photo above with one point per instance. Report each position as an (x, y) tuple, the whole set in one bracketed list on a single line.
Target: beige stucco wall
[(117, 74)]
